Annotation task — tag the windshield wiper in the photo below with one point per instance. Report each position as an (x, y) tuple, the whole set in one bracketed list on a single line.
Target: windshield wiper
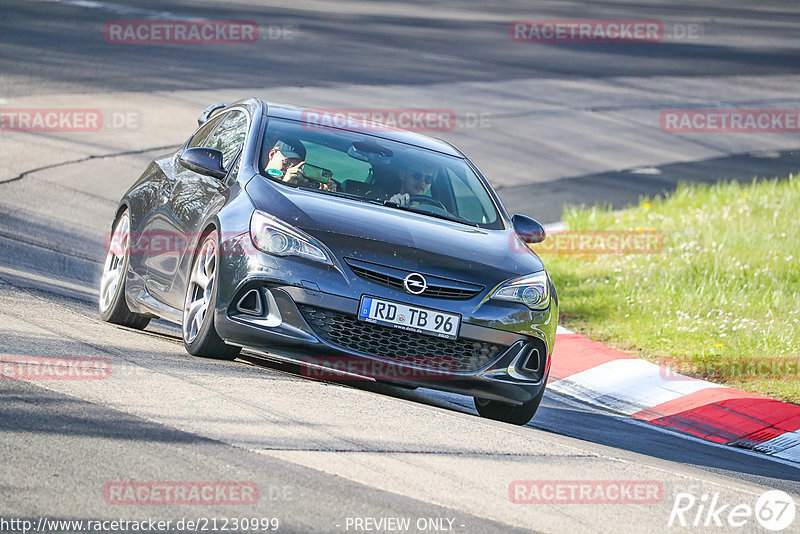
[(342, 194), (448, 217)]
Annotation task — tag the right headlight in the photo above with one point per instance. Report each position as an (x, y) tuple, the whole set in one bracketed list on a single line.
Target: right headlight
[(273, 236), (532, 290)]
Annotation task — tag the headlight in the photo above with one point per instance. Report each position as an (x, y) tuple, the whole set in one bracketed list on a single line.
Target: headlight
[(532, 290), (274, 236)]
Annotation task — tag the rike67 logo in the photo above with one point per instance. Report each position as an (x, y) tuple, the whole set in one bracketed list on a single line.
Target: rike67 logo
[(774, 510)]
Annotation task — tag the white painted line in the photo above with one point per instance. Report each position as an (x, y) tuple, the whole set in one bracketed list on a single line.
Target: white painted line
[(627, 386), (50, 280), (120, 9), (792, 454), (647, 171), (562, 330), (785, 444)]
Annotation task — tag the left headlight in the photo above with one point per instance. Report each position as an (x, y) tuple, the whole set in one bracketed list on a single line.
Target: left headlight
[(273, 236), (532, 290)]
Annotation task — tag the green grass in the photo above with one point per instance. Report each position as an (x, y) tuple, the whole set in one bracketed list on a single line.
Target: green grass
[(720, 301)]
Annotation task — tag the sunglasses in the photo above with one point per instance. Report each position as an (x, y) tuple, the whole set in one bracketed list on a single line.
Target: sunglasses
[(291, 162), (417, 175)]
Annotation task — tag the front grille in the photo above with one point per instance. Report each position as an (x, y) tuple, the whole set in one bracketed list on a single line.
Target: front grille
[(379, 278), (457, 355), (437, 287)]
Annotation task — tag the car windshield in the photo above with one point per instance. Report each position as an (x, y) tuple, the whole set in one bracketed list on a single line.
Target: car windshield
[(396, 175)]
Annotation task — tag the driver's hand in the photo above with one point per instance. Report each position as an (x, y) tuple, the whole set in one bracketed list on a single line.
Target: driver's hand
[(294, 175), (402, 199)]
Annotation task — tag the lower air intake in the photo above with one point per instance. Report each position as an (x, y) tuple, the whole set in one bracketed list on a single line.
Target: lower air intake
[(456, 355)]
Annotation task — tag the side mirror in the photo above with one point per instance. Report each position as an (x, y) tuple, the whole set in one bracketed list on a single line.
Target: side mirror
[(206, 161), (529, 230)]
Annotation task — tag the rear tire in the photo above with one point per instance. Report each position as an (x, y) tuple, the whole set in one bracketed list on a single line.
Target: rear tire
[(519, 414), (199, 335), (112, 304)]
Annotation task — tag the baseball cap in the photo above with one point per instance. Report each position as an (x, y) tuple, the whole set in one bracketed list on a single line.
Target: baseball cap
[(290, 148)]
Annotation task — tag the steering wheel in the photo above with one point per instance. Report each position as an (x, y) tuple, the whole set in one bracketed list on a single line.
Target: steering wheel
[(424, 199)]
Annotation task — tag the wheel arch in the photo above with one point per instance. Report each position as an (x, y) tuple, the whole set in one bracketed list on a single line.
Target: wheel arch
[(123, 205), (209, 226)]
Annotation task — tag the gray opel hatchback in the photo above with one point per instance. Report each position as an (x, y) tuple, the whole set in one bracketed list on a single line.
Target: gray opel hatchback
[(361, 251)]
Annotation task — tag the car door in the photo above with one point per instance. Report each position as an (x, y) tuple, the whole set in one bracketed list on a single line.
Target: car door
[(151, 231), (188, 204)]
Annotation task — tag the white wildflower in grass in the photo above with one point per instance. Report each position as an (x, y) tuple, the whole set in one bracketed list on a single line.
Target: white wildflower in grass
[(728, 270)]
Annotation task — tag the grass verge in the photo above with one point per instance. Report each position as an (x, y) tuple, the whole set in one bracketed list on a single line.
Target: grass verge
[(719, 301)]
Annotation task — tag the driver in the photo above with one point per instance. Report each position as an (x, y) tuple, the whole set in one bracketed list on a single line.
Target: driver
[(414, 181), (286, 161)]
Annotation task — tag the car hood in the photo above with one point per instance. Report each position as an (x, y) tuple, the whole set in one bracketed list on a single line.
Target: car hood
[(404, 240)]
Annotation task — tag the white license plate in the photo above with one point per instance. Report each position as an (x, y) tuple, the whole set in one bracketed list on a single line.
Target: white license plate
[(412, 318)]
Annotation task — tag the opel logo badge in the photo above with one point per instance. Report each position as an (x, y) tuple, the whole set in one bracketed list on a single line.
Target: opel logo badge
[(415, 283)]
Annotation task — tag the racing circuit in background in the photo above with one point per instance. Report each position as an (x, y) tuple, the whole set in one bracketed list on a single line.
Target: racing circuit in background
[(569, 103)]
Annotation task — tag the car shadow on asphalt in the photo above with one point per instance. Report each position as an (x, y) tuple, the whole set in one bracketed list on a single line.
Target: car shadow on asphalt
[(569, 418)]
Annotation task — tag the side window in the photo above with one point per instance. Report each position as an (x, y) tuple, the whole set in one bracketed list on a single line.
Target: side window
[(202, 134), (229, 136)]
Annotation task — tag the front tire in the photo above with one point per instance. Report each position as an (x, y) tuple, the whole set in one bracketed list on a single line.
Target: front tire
[(519, 414), (199, 335), (113, 307)]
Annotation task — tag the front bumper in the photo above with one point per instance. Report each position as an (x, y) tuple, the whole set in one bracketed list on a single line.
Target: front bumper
[(298, 322), (503, 351)]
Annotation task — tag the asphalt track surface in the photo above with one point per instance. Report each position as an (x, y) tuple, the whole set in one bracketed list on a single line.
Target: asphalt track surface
[(566, 123)]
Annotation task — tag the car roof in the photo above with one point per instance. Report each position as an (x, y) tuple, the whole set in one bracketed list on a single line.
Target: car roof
[(375, 129)]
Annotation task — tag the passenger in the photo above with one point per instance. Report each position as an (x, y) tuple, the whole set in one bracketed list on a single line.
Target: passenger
[(286, 161)]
